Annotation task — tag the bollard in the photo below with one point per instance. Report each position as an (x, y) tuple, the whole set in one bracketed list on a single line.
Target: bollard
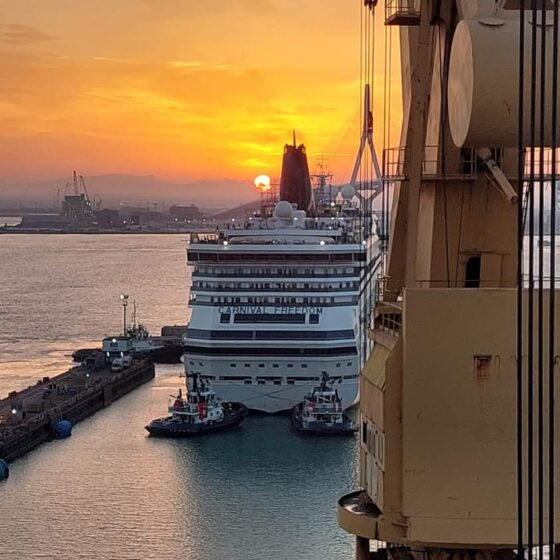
[(4, 470)]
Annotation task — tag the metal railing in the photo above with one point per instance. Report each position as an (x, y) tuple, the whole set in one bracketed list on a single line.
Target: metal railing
[(402, 12), (541, 162), (391, 323), (432, 167), (387, 317), (468, 165)]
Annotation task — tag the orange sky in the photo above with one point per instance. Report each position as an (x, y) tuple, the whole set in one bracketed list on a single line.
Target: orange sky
[(182, 89)]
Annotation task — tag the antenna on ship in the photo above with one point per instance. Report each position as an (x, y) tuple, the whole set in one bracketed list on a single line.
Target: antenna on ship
[(294, 131), (324, 177)]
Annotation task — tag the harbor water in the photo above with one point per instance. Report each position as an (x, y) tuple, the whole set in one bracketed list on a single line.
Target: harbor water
[(110, 492)]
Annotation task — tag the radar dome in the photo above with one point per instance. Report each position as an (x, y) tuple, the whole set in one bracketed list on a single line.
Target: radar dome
[(284, 210), (347, 192)]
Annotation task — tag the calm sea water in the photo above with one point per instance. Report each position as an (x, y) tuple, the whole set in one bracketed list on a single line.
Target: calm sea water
[(110, 492)]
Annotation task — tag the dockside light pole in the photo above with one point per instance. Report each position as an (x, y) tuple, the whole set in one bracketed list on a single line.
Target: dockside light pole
[(124, 299)]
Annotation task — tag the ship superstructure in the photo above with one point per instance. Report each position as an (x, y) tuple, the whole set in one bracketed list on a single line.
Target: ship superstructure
[(281, 298)]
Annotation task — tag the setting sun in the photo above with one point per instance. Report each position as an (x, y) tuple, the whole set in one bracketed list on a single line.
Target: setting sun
[(262, 182), (182, 90)]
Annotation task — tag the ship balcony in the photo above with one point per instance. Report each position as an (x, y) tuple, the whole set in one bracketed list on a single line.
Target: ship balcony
[(402, 12)]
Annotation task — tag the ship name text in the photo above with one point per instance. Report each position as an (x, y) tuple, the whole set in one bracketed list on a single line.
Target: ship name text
[(272, 309)]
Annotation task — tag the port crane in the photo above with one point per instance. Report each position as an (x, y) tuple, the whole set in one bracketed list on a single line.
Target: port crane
[(77, 187), (84, 187), (458, 424)]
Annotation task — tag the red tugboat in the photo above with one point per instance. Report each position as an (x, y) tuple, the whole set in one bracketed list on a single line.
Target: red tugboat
[(198, 414)]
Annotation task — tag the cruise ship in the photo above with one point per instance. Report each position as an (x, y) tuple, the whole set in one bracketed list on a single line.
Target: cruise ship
[(286, 296)]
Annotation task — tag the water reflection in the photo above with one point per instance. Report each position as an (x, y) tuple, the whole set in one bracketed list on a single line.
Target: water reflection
[(110, 492)]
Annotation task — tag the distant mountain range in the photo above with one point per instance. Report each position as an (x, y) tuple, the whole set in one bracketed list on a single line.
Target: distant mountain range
[(130, 189)]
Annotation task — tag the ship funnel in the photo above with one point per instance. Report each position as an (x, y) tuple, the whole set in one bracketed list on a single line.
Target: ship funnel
[(295, 183)]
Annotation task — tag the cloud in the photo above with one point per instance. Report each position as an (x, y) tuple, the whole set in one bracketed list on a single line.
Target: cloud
[(15, 34), (186, 64), (197, 66), (117, 60), (228, 68), (190, 109), (194, 9)]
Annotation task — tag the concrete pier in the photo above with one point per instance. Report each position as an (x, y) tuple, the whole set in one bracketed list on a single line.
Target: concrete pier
[(27, 417)]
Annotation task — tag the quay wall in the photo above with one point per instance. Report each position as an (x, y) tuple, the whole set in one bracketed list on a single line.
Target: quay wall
[(18, 438)]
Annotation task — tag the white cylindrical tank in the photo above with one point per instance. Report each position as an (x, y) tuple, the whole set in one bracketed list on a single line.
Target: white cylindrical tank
[(483, 88)]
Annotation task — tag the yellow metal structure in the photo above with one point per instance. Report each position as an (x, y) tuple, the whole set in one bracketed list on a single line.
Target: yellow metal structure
[(438, 402)]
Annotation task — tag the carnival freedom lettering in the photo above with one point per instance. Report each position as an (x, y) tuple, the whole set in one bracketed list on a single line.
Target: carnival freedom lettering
[(272, 309)]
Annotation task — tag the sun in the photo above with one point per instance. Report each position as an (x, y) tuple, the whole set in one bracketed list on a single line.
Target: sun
[(262, 182)]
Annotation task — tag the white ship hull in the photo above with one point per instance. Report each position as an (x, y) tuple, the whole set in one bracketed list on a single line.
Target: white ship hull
[(281, 302), (273, 399)]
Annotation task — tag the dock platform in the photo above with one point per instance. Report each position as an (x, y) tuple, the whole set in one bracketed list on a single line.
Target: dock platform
[(27, 417)]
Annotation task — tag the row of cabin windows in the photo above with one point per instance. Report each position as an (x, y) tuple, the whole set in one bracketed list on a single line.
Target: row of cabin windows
[(283, 272), (232, 365), (303, 366), (276, 380), (238, 334), (275, 286), (275, 300), (275, 257), (276, 366), (298, 318), (472, 280), (275, 353)]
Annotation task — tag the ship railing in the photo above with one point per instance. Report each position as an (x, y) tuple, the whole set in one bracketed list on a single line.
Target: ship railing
[(183, 411)]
